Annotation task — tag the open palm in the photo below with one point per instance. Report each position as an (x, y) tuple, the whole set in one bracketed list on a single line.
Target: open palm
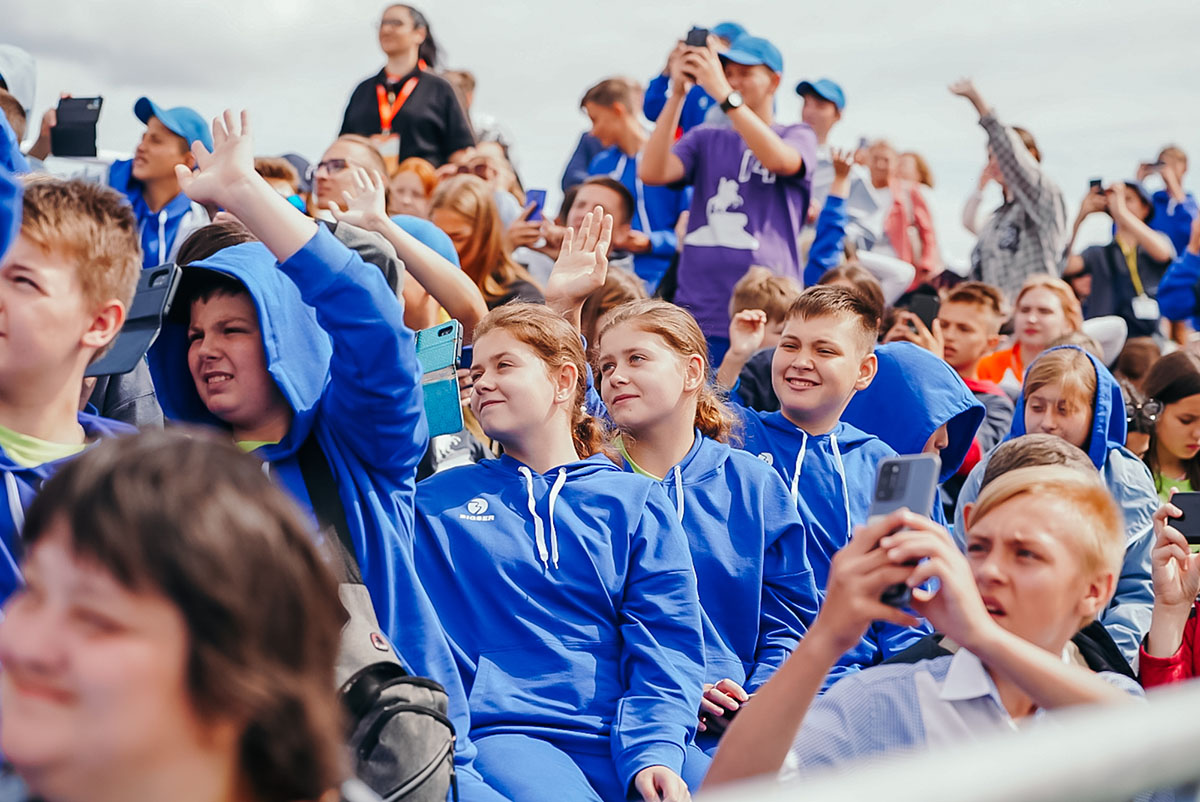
[(364, 202), (221, 171), (582, 264)]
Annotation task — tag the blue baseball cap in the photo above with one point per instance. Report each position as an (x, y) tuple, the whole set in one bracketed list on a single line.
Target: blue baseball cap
[(729, 31), (754, 50), (181, 121), (823, 88)]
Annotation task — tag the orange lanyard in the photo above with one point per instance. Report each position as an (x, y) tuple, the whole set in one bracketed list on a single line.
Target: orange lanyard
[(389, 110)]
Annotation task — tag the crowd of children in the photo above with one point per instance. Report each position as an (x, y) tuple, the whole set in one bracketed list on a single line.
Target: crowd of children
[(647, 564)]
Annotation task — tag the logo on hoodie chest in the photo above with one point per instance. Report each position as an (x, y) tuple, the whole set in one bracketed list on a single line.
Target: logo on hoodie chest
[(476, 511)]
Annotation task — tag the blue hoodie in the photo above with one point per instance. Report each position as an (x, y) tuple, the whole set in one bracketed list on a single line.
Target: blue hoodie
[(913, 394), (1177, 290), (11, 161), (21, 485), (1127, 618), (830, 478), (160, 233), (570, 599), (655, 212), (337, 347), (695, 105), (755, 570)]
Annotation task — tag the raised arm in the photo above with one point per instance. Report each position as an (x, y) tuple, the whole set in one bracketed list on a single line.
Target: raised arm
[(581, 267), (659, 164), (1156, 244)]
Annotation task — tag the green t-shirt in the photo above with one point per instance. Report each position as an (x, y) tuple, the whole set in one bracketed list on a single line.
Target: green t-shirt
[(250, 445), (636, 468), (30, 452), (1166, 484)]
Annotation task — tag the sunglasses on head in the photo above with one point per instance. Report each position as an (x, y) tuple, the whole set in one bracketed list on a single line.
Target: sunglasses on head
[(482, 170)]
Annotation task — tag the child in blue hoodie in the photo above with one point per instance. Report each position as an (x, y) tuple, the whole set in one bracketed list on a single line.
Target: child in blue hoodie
[(1069, 393), (565, 583), (918, 404), (823, 358), (747, 540), (66, 283), (294, 340)]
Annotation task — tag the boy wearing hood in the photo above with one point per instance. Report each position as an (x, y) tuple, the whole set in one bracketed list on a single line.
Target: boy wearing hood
[(165, 215), (1069, 393), (823, 358), (310, 354), (65, 286)]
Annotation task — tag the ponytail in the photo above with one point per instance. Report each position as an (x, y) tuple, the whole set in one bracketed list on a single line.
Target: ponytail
[(428, 51)]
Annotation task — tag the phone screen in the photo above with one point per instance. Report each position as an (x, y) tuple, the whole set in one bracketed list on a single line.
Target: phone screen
[(1188, 524), (538, 198)]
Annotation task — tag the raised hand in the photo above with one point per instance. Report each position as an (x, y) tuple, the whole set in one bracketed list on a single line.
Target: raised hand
[(1175, 568), (965, 87), (910, 328), (747, 330), (703, 65), (365, 203), (227, 168), (582, 264), (843, 161)]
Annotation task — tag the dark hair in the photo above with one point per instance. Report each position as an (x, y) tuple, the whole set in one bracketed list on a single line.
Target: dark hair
[(1035, 449), (428, 51), (627, 201), (12, 109), (191, 518), (1173, 378), (824, 300), (863, 280), (567, 202), (207, 240), (1136, 358), (613, 92)]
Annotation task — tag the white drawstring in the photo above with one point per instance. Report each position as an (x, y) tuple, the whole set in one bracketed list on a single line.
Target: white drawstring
[(679, 504), (557, 486), (162, 236), (546, 555), (14, 501), (841, 469), (799, 467)]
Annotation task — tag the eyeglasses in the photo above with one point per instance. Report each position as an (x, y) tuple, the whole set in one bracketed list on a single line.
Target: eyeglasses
[(391, 23), (1141, 416), (482, 170), (331, 166)]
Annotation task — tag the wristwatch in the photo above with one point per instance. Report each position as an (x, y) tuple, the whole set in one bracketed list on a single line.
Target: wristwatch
[(734, 101)]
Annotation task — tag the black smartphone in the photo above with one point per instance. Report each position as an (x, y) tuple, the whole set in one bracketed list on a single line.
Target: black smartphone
[(155, 292), (538, 198), (74, 133), (926, 308), (718, 724), (909, 481), (1097, 185), (697, 37), (1188, 524), (467, 356)]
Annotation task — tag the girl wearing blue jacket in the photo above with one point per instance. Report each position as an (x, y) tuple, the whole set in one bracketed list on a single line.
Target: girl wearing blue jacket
[(565, 584), (746, 537)]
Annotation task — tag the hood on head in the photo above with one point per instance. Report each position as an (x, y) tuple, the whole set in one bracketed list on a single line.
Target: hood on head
[(912, 395), (18, 70), (297, 349), (1108, 411)]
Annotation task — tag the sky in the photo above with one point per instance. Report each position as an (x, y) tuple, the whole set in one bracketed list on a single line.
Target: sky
[(1102, 84)]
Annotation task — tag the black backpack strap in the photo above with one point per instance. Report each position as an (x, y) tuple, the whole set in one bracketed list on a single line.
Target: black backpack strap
[(327, 504)]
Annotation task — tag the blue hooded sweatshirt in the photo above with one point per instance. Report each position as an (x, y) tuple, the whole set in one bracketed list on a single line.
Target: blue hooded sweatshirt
[(337, 347), (570, 599), (11, 162), (160, 233), (655, 212), (1128, 479), (1177, 291), (21, 485), (754, 570), (913, 394), (830, 478), (695, 105)]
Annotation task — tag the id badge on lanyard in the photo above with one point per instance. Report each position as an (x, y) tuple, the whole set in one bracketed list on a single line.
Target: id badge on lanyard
[(387, 142)]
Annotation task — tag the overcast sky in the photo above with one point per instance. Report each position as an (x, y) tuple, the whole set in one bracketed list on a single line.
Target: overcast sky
[(1101, 83)]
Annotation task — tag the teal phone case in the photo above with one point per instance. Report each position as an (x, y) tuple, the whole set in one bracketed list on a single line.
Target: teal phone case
[(438, 349)]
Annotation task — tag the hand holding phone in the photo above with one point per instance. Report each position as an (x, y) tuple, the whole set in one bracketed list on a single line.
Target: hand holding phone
[(697, 37), (438, 349), (538, 198), (906, 481), (1188, 523)]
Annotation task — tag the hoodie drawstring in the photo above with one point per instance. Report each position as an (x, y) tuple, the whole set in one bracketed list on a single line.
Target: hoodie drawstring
[(679, 503), (841, 469), (162, 236), (14, 501), (799, 467), (539, 529)]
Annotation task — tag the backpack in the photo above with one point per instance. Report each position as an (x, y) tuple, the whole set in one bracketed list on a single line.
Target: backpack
[(400, 736)]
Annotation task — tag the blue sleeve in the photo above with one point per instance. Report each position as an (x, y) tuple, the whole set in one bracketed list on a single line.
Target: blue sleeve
[(789, 595), (1177, 224), (374, 398), (656, 97), (663, 242), (1127, 617), (1177, 290), (577, 167), (662, 662), (11, 158), (825, 253), (10, 189), (695, 109)]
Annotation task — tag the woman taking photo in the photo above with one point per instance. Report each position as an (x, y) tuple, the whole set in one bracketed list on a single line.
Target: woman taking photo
[(407, 109)]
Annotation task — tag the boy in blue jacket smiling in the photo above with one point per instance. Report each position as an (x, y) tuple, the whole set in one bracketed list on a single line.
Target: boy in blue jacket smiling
[(313, 349)]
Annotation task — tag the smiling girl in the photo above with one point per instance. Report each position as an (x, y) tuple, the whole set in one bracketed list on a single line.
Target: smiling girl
[(1174, 382), (564, 583), (1046, 309)]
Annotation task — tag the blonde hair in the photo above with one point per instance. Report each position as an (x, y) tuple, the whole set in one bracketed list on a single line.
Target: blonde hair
[(556, 343), (1067, 367), (679, 330), (762, 289), (487, 258), (1062, 290), (1101, 534), (91, 226)]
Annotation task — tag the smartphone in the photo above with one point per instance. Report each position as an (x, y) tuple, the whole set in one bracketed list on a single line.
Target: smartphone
[(718, 724), (910, 481), (697, 37), (467, 357), (151, 302), (74, 133), (926, 308), (438, 351), (538, 198), (1097, 185), (1188, 524)]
